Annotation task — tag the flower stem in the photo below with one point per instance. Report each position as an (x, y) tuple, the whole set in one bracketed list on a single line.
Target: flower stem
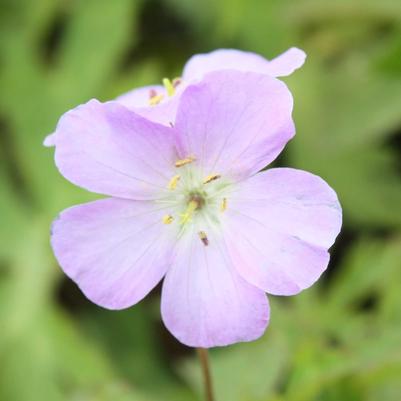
[(207, 378)]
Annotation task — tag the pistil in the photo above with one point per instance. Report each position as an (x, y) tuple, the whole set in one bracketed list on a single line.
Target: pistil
[(187, 215), (170, 89)]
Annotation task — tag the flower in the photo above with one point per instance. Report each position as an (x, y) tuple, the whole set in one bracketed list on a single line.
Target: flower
[(189, 203), (159, 102)]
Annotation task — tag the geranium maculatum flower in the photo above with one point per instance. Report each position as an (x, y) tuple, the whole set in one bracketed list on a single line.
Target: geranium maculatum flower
[(188, 202)]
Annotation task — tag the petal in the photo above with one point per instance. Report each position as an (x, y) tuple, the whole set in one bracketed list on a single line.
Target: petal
[(106, 148), (116, 250), (286, 63), (280, 224), (230, 59), (139, 97), (50, 140), (205, 303), (235, 123), (138, 100)]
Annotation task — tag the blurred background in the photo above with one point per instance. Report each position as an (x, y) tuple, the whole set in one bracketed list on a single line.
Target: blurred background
[(341, 339)]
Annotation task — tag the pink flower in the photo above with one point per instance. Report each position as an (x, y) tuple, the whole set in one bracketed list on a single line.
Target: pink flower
[(159, 103), (189, 204)]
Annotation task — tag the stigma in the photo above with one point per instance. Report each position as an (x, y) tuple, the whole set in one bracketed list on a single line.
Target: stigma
[(186, 217)]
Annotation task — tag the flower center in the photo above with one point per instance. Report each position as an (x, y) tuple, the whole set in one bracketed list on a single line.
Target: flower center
[(195, 198)]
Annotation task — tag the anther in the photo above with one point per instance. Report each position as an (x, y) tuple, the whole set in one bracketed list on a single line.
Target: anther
[(173, 182), (170, 89), (203, 238), (176, 81), (183, 162), (211, 177), (168, 219), (223, 205), (154, 98)]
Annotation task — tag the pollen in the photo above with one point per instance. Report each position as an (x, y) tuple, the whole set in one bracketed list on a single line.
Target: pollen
[(155, 99), (183, 162), (173, 182), (170, 88), (223, 206), (203, 238), (211, 177), (168, 219)]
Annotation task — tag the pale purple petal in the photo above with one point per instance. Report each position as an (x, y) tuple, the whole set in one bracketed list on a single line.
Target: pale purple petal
[(235, 123), (50, 140), (205, 303), (139, 97), (286, 63), (115, 250), (279, 225), (231, 59), (106, 148)]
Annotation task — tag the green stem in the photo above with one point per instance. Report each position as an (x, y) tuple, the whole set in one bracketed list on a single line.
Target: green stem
[(207, 378)]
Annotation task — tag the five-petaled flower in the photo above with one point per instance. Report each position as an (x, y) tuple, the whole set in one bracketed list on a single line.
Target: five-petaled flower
[(188, 203)]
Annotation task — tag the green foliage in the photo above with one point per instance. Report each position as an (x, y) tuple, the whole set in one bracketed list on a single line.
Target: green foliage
[(337, 341)]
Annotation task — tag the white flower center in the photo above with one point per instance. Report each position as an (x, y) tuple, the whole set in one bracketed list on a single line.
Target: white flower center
[(194, 198)]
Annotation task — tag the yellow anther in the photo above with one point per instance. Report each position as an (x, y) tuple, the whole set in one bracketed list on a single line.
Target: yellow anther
[(223, 206), (168, 219), (187, 216), (211, 178), (170, 89), (156, 99), (183, 162), (173, 182), (203, 237)]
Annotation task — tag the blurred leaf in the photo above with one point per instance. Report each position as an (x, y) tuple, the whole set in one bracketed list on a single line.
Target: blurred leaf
[(336, 341)]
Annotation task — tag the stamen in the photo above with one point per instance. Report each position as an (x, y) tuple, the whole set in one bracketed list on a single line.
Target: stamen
[(187, 216), (173, 182), (203, 237), (176, 81), (223, 206), (211, 178), (170, 89), (168, 219), (154, 98), (183, 162)]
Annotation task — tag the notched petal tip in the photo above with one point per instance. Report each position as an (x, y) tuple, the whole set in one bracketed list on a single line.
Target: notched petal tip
[(286, 63)]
